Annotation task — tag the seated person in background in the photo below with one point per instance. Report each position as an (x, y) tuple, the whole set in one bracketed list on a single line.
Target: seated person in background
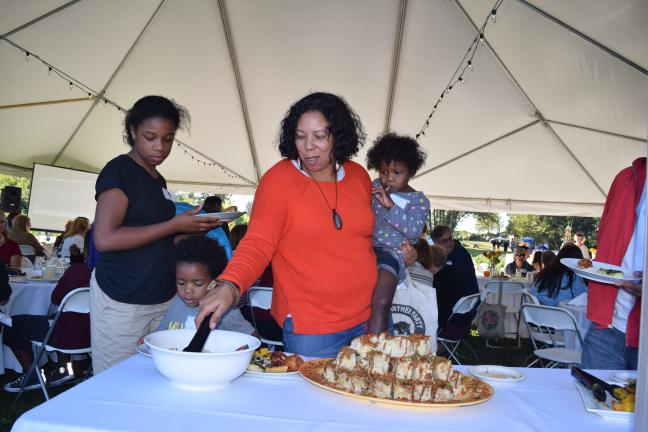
[(9, 249), (236, 234), (556, 282), (5, 288), (198, 260), (547, 257), (20, 233), (457, 255), (10, 219), (72, 330), (579, 240), (519, 263), (59, 238), (449, 282), (75, 236), (214, 204), (536, 262)]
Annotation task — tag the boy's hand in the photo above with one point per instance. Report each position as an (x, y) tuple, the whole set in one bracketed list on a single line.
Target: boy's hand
[(409, 252), (382, 195)]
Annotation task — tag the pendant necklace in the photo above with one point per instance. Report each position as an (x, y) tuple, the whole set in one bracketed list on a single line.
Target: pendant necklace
[(337, 220)]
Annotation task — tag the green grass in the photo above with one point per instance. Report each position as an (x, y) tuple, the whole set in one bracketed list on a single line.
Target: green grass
[(508, 356)]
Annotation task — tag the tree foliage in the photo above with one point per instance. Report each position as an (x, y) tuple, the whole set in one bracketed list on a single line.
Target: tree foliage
[(551, 229), (487, 222), (450, 218)]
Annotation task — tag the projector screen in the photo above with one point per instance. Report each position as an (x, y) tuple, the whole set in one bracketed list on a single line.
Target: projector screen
[(58, 195)]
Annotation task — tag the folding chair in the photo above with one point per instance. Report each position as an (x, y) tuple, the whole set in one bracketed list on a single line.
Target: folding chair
[(506, 288), (547, 320), (261, 297), (77, 300), (450, 340), (25, 263), (27, 250)]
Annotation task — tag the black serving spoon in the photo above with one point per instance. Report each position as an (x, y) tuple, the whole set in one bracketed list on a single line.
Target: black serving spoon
[(198, 341)]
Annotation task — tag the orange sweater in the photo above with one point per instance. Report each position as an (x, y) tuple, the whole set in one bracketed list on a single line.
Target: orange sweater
[(323, 277)]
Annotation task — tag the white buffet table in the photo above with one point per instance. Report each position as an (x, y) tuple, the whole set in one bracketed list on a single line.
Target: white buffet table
[(133, 396), (27, 298)]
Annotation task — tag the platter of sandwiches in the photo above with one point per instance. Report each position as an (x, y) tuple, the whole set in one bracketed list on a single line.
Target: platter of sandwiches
[(399, 370)]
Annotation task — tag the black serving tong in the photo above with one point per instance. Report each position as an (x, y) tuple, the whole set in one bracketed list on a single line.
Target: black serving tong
[(598, 387), (199, 339)]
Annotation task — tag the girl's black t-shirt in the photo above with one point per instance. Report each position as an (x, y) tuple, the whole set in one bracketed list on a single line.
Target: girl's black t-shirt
[(144, 275)]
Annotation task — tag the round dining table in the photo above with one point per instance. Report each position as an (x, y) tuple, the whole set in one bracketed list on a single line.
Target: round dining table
[(28, 297)]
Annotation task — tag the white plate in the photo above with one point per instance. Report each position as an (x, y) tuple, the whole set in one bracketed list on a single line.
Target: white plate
[(497, 374), (623, 376), (599, 408), (572, 263), (144, 350), (275, 375), (224, 216)]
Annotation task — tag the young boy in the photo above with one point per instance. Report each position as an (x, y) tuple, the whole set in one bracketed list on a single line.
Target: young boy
[(198, 261)]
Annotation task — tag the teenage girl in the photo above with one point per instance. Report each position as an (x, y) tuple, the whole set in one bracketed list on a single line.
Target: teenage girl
[(400, 214)]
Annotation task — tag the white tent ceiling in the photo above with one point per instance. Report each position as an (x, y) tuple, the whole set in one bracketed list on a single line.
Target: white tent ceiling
[(556, 106)]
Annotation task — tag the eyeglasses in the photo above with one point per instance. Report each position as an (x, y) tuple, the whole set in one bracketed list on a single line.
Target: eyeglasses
[(521, 254)]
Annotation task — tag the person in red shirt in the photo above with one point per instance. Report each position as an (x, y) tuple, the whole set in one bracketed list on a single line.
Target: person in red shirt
[(9, 249), (72, 330), (312, 220)]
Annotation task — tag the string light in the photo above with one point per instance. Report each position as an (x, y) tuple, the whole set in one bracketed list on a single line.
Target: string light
[(465, 64), (92, 94)]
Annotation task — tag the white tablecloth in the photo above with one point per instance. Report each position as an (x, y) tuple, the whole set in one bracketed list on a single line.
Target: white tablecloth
[(27, 298), (133, 396), (511, 301)]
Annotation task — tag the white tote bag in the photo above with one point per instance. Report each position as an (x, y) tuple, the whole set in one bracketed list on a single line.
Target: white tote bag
[(414, 309)]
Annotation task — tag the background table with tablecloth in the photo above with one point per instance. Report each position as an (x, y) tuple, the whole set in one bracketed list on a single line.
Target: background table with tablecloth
[(29, 297)]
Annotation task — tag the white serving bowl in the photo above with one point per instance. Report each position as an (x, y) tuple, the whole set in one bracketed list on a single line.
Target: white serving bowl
[(202, 371)]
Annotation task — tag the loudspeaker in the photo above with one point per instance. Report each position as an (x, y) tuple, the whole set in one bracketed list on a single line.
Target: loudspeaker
[(11, 198)]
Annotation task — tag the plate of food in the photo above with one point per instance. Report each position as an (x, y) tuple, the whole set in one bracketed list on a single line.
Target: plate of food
[(274, 364), (598, 271), (497, 374), (396, 370), (224, 216), (624, 377), (609, 410)]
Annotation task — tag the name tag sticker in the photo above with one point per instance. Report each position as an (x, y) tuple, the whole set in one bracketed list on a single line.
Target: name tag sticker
[(168, 195)]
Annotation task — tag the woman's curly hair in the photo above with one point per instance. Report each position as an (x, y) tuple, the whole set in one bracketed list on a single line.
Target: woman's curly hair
[(396, 148), (201, 250), (151, 107), (344, 125)]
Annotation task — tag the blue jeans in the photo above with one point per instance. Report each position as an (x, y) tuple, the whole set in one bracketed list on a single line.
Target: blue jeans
[(318, 345), (606, 349)]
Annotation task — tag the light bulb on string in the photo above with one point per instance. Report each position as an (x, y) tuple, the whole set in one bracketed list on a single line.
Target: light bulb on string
[(481, 38), (49, 71), (494, 15), (70, 85), (462, 80), (26, 55), (470, 65), (89, 95)]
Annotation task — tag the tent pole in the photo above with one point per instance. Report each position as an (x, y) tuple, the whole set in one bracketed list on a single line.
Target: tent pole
[(41, 103), (398, 40), (641, 402), (584, 37), (105, 87), (239, 88), (493, 141), (40, 18), (618, 135), (538, 112)]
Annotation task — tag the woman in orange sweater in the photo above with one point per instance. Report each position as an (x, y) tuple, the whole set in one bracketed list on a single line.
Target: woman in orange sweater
[(312, 220)]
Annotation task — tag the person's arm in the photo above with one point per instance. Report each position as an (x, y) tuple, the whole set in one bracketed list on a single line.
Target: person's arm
[(40, 250), (111, 235), (409, 222), (634, 288)]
